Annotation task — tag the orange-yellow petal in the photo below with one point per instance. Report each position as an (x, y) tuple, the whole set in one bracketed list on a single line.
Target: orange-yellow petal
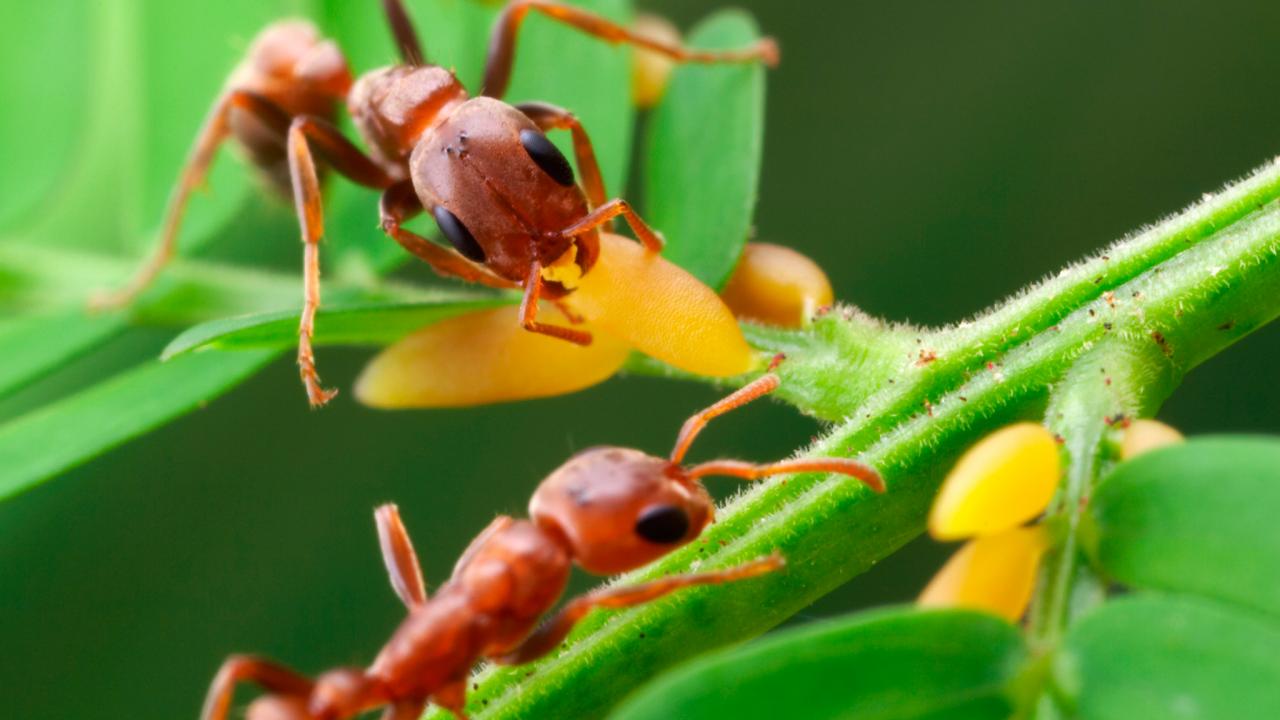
[(776, 285), (1147, 435), (650, 70), (995, 573), (1003, 481), (660, 309), (484, 357)]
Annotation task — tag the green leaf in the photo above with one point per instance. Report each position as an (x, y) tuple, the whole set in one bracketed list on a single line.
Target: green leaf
[(1151, 656), (1197, 518), (68, 432), (889, 665), (703, 153), (35, 39), (357, 324), (36, 344)]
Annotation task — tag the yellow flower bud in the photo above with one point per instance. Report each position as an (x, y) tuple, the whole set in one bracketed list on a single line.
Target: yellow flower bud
[(776, 285), (1146, 435), (485, 357), (996, 573), (651, 70), (662, 310), (1003, 481)]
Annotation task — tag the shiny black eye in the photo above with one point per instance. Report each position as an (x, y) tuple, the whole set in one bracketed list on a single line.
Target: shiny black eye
[(458, 234), (547, 156), (663, 524)]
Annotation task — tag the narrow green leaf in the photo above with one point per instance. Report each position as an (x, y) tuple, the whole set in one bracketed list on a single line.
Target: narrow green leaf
[(189, 291), (892, 665), (703, 153), (66, 433), (1197, 518), (357, 324), (1152, 656), (34, 43), (35, 345)]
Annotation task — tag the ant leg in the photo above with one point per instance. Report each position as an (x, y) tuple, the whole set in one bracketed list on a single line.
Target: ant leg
[(400, 203), (347, 159), (650, 238), (529, 311), (402, 28), (502, 44), (209, 138), (405, 710), (549, 117), (750, 471), (552, 632), (271, 676), (759, 387), (453, 697), (399, 556)]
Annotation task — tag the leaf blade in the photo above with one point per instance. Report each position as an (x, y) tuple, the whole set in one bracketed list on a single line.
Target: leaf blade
[(1196, 518), (1150, 655), (66, 433), (35, 345), (900, 663), (704, 148), (355, 324)]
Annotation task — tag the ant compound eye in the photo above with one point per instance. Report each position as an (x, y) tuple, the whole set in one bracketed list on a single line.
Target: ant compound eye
[(547, 156), (663, 524), (458, 234)]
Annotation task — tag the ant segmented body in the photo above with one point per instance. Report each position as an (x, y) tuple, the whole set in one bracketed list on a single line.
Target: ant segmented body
[(608, 509), (502, 195)]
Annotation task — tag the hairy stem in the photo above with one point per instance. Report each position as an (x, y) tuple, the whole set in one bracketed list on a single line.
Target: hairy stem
[(908, 402), (1106, 387)]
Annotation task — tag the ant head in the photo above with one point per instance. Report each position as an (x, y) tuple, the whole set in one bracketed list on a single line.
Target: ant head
[(619, 509)]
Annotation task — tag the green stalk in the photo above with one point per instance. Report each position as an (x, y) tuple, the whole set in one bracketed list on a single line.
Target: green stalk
[(1175, 294), (1109, 386)]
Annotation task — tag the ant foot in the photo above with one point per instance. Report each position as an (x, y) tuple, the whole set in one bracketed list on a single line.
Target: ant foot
[(768, 51)]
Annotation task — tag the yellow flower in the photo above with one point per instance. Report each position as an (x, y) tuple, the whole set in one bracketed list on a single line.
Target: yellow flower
[(661, 310), (630, 299), (1146, 435), (1003, 481), (776, 285), (996, 573), (484, 357), (651, 70)]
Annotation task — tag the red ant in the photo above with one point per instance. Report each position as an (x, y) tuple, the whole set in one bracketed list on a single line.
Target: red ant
[(502, 195), (609, 509)]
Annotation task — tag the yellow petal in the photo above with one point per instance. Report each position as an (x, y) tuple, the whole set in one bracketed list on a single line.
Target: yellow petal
[(484, 357), (1147, 435), (650, 70), (1003, 481), (660, 309), (995, 573), (776, 285)]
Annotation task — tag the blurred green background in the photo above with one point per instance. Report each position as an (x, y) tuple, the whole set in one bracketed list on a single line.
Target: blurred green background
[(932, 156)]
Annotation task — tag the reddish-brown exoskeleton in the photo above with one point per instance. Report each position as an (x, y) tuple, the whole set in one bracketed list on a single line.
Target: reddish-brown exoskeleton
[(608, 509), (504, 197)]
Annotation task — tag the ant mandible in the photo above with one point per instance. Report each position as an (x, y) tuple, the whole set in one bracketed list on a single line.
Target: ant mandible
[(609, 509), (502, 195)]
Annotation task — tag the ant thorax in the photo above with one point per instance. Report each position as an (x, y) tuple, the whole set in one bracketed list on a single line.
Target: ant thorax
[(393, 106)]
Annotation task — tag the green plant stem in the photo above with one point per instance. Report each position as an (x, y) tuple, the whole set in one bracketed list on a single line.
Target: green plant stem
[(1174, 295), (1106, 387)]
